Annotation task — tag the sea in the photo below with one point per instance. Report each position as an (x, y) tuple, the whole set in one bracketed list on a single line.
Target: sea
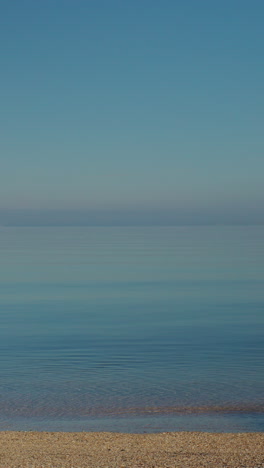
[(132, 329)]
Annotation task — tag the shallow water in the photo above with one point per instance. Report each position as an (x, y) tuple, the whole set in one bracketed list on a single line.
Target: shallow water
[(133, 329)]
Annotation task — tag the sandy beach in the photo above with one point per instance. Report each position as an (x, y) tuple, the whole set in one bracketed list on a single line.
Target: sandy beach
[(102, 450)]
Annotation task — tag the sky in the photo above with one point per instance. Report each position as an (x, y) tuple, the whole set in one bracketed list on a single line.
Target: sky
[(131, 112)]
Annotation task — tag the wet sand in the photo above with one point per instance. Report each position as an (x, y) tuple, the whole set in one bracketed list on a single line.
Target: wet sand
[(116, 450)]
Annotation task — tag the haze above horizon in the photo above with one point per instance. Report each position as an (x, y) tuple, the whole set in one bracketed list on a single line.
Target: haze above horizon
[(131, 112)]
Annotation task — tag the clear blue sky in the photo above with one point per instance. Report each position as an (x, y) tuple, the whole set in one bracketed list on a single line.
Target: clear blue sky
[(144, 106)]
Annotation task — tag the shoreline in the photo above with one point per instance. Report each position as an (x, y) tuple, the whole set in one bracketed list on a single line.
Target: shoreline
[(113, 450)]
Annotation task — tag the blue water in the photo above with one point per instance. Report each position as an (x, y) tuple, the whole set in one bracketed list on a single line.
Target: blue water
[(132, 329)]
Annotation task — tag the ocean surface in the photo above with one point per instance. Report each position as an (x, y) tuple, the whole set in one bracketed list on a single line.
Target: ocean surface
[(134, 329)]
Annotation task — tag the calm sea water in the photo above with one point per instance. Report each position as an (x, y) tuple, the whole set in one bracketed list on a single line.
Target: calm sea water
[(132, 328)]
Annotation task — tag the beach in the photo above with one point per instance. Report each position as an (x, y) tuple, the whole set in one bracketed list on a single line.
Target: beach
[(117, 450)]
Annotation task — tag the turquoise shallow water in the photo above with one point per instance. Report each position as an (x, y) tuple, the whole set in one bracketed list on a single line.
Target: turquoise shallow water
[(132, 329)]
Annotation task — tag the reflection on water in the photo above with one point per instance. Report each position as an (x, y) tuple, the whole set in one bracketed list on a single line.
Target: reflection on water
[(155, 324)]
